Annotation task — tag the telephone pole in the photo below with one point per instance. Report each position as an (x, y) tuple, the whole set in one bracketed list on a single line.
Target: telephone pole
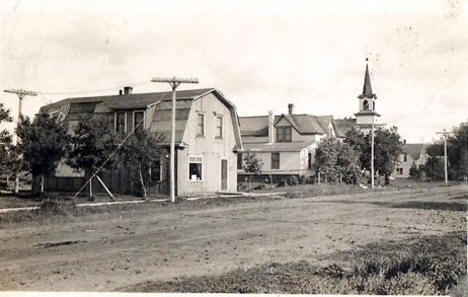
[(21, 94), (444, 135), (174, 82)]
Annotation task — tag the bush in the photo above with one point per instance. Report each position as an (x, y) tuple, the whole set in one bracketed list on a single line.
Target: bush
[(282, 183), (293, 181)]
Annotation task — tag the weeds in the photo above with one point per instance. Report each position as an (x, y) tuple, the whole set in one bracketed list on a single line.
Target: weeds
[(429, 265)]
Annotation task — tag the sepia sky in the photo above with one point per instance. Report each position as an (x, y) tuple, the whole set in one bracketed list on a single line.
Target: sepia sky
[(261, 54)]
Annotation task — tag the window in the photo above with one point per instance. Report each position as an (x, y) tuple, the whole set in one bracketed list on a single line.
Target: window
[(219, 127), (195, 168), (400, 171), (405, 158), (283, 134), (138, 119), (365, 105), (239, 161), (275, 160), (201, 125), (309, 160), (82, 107), (120, 122)]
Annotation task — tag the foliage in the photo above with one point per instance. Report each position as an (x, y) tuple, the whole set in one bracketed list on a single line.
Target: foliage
[(251, 163), (430, 265), (414, 172), (387, 148), (42, 143), (92, 142), (457, 155), (337, 160), (6, 146), (139, 151)]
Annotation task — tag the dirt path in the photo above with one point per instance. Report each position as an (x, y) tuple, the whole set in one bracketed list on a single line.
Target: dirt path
[(101, 252)]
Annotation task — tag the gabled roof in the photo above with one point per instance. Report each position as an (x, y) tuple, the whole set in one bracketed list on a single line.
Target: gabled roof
[(343, 125), (303, 123), (414, 149)]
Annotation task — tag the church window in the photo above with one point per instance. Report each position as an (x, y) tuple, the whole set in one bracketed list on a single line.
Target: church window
[(365, 105)]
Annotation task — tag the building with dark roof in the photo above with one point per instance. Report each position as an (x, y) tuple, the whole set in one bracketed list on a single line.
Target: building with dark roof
[(207, 137), (284, 143)]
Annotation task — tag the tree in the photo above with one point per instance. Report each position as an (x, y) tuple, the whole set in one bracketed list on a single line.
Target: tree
[(414, 171), (387, 148), (139, 151), (252, 165), (42, 143), (6, 146), (348, 163), (337, 161), (91, 145), (326, 156), (457, 152)]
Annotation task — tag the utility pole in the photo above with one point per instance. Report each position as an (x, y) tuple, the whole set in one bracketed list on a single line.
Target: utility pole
[(444, 135), (21, 94), (174, 82)]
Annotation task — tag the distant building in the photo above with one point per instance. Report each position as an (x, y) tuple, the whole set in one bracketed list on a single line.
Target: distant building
[(207, 138), (413, 153)]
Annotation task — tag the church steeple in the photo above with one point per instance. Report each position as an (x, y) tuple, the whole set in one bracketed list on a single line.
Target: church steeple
[(367, 88), (367, 114)]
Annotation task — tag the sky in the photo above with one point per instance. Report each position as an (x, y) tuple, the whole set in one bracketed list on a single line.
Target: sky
[(261, 54)]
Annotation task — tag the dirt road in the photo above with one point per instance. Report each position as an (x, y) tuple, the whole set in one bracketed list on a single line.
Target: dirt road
[(101, 252)]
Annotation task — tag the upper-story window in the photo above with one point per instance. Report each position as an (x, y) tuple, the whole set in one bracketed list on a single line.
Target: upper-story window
[(120, 126), (138, 119), (219, 127), (200, 125), (405, 158), (283, 134)]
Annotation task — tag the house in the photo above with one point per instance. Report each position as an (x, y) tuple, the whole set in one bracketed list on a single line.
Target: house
[(285, 143), (207, 138), (413, 153)]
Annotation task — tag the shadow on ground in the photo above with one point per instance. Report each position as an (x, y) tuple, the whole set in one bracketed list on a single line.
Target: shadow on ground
[(425, 205)]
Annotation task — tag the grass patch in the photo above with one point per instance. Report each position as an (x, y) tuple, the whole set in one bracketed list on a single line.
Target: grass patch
[(428, 265)]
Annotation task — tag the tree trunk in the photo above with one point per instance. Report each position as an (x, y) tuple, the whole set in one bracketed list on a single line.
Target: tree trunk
[(142, 182), (42, 183), (387, 179)]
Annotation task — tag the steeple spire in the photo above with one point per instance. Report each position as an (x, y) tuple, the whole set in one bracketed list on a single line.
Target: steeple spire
[(367, 88)]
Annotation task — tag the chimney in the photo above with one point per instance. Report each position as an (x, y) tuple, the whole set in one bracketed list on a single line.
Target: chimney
[(271, 129), (128, 90), (120, 92), (290, 108), (404, 141)]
